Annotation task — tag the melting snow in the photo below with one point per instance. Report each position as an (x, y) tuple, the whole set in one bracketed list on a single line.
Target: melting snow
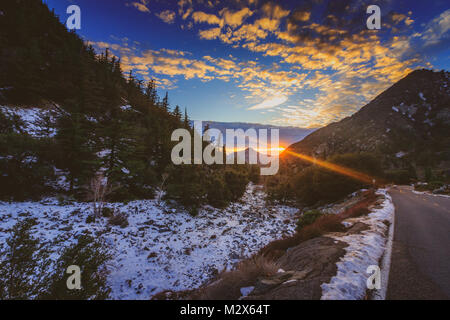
[(364, 249)]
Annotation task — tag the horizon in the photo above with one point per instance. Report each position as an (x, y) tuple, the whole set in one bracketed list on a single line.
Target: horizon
[(281, 64)]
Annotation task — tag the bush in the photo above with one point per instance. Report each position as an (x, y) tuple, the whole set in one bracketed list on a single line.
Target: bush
[(218, 194), (308, 218), (107, 212), (236, 183), (90, 219), (90, 255), (400, 176), (119, 219), (22, 264)]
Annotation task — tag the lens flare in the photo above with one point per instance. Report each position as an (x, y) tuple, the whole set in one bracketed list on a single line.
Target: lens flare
[(334, 167)]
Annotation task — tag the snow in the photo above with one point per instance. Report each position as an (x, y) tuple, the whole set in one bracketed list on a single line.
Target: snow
[(422, 97), (400, 154), (430, 194), (30, 118), (363, 250), (126, 108), (395, 109), (163, 248), (246, 291)]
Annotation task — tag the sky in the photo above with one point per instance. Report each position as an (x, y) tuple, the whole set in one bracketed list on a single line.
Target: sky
[(303, 63)]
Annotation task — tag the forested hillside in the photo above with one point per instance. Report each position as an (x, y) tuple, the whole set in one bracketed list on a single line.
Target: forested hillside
[(91, 120)]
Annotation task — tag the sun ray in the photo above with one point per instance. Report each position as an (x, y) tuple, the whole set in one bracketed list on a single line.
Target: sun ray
[(334, 167)]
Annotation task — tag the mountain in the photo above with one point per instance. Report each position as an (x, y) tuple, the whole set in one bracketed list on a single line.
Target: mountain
[(407, 125), (288, 134)]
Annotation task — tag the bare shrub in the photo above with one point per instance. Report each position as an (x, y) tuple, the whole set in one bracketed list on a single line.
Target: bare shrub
[(99, 188), (161, 188)]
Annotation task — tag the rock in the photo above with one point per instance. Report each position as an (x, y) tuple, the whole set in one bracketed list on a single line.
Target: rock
[(357, 228), (309, 264)]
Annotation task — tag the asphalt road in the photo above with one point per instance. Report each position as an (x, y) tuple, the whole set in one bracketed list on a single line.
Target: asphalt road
[(420, 263)]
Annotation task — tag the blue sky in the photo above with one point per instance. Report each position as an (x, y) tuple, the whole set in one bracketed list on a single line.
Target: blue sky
[(301, 63)]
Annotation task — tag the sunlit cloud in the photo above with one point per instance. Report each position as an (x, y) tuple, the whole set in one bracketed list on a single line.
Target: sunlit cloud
[(270, 103), (167, 16), (327, 54), (141, 5), (437, 29)]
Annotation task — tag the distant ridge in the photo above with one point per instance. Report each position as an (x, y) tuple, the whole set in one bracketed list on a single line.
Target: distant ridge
[(288, 134)]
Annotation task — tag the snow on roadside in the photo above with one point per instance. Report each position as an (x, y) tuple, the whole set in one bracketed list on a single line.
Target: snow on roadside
[(163, 248), (427, 193), (364, 249)]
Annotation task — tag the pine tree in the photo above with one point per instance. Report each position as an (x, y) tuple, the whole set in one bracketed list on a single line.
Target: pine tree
[(151, 93), (186, 119), (177, 113), (165, 102)]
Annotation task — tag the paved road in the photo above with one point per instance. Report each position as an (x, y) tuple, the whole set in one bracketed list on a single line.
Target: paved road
[(420, 264)]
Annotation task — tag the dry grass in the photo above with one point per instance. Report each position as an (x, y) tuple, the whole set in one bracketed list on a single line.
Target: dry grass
[(246, 274), (324, 224)]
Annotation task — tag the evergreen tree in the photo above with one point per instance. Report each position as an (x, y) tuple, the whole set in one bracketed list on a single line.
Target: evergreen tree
[(165, 102), (177, 113), (186, 119)]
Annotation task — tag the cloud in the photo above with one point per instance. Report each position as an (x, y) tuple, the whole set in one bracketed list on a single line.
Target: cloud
[(235, 19), (168, 16), (202, 17), (210, 34), (274, 11), (318, 48), (141, 5), (270, 103), (437, 30)]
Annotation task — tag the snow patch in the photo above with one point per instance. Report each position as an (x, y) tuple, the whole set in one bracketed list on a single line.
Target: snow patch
[(364, 249), (32, 120), (246, 291)]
